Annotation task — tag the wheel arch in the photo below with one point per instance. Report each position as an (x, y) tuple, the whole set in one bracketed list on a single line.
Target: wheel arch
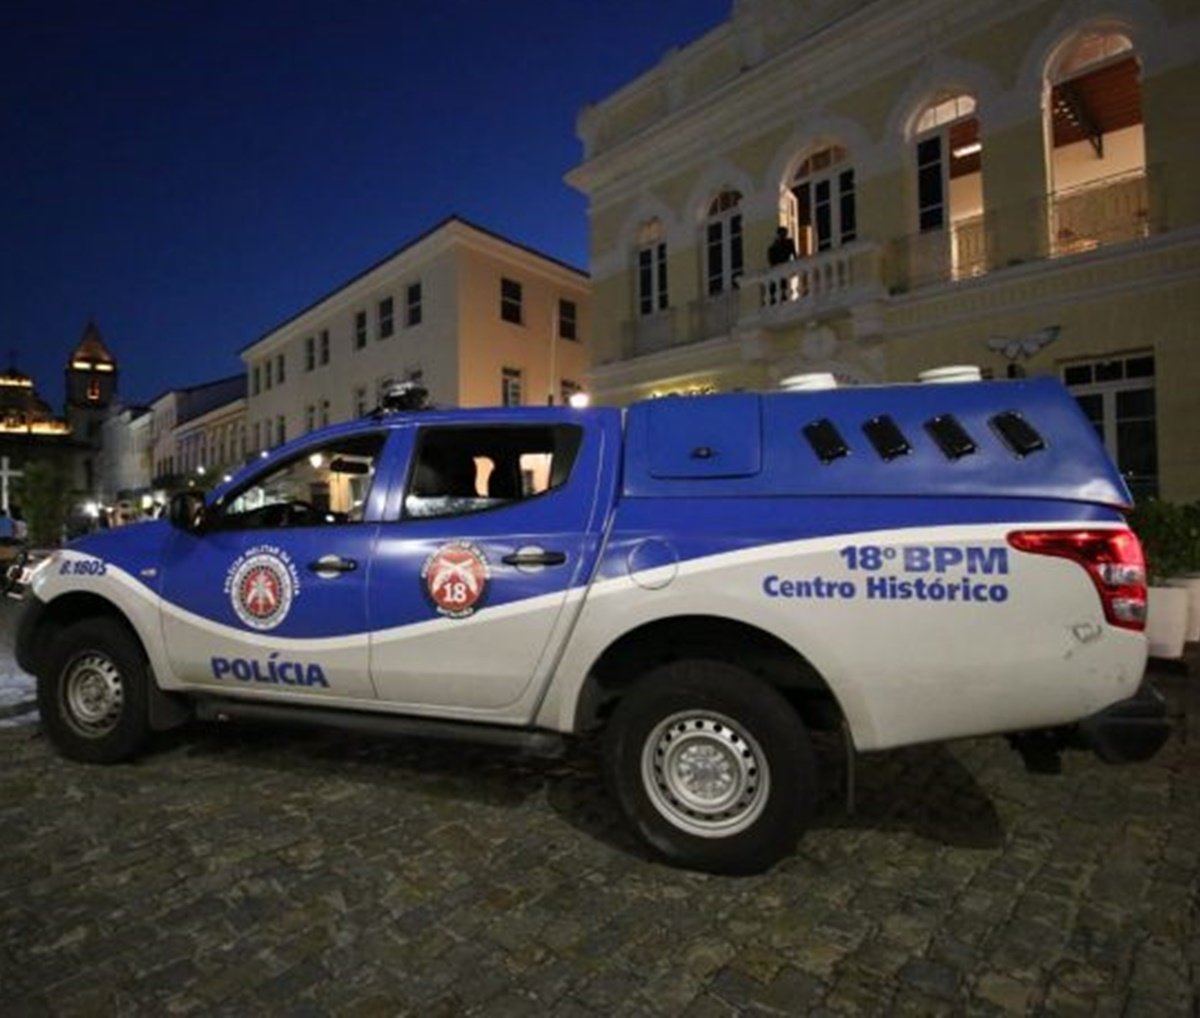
[(674, 638), (166, 709)]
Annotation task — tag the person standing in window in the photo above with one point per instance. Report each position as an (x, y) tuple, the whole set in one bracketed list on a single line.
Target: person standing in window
[(782, 249)]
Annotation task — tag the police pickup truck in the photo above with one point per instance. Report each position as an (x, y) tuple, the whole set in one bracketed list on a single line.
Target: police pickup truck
[(709, 580)]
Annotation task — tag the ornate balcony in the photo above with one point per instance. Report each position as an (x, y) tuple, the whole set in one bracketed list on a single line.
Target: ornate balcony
[(1112, 210), (832, 280), (715, 315), (650, 334), (1119, 209)]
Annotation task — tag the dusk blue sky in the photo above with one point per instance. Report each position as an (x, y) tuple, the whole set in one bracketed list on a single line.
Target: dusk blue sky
[(192, 173)]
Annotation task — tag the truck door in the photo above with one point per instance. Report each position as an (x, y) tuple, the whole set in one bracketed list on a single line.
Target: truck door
[(270, 597), (481, 566)]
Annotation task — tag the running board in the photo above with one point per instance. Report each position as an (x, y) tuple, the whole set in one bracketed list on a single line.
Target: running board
[(533, 742)]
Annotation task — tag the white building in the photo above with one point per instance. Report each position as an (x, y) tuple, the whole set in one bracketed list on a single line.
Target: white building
[(477, 319), (124, 456), (200, 426), (212, 442)]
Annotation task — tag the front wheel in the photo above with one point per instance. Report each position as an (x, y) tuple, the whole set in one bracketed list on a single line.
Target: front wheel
[(712, 767), (93, 693)]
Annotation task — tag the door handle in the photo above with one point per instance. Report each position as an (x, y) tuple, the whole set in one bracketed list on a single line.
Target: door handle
[(535, 558), (331, 565)]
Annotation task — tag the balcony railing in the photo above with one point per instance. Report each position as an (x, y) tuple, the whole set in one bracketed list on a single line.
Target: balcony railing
[(715, 315), (1113, 210), (836, 278), (960, 252), (649, 334)]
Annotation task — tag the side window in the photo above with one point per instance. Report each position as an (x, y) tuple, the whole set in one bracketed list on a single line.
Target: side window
[(324, 484), (460, 470)]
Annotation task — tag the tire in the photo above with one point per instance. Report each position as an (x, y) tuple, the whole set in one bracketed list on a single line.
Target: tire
[(93, 693), (756, 787)]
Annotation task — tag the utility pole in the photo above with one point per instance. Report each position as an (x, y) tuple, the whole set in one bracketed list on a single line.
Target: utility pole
[(553, 349)]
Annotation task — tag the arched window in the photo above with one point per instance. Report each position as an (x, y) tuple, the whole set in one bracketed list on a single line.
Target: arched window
[(1097, 164), (947, 150), (652, 268), (818, 207), (723, 243)]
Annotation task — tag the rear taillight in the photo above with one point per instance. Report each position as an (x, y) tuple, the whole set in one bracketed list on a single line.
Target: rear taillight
[(1112, 558)]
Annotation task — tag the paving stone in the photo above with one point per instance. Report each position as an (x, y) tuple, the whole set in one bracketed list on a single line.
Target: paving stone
[(243, 871)]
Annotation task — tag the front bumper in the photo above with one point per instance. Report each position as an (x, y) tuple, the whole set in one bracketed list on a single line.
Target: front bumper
[(32, 609), (1130, 730)]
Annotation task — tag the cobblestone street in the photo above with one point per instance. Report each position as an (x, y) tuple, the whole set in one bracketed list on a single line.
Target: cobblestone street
[(240, 871)]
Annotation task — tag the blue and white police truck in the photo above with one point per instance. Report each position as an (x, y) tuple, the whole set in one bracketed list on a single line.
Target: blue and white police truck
[(709, 580)]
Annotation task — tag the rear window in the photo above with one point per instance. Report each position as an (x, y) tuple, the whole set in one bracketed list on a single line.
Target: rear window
[(466, 469)]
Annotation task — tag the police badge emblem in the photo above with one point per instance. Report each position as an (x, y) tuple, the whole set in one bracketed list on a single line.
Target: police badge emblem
[(262, 584), (456, 578)]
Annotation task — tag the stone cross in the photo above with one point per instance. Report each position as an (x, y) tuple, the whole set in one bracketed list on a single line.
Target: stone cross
[(7, 473)]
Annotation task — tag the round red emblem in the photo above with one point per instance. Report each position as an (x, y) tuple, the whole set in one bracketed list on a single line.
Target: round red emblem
[(261, 587), (456, 578), (260, 591)]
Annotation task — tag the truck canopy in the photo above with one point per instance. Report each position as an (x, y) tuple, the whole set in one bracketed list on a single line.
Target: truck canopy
[(1026, 439)]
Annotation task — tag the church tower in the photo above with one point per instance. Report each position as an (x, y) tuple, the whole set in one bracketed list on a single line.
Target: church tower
[(91, 386)]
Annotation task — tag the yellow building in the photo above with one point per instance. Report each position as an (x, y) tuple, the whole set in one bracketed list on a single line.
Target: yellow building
[(963, 182), (476, 318)]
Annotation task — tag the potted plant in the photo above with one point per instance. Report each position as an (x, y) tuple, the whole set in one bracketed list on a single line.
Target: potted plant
[(1162, 528), (1189, 567)]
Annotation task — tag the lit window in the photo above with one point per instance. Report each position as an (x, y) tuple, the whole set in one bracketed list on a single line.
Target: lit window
[(819, 209), (949, 177), (1094, 48), (945, 112)]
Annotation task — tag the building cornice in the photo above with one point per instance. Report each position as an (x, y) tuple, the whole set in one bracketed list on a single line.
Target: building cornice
[(448, 235), (217, 415), (797, 85)]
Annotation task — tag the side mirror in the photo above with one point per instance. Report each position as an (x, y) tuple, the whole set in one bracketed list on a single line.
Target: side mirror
[(186, 511)]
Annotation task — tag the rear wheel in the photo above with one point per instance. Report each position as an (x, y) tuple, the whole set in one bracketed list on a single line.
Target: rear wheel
[(712, 767), (93, 695)]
